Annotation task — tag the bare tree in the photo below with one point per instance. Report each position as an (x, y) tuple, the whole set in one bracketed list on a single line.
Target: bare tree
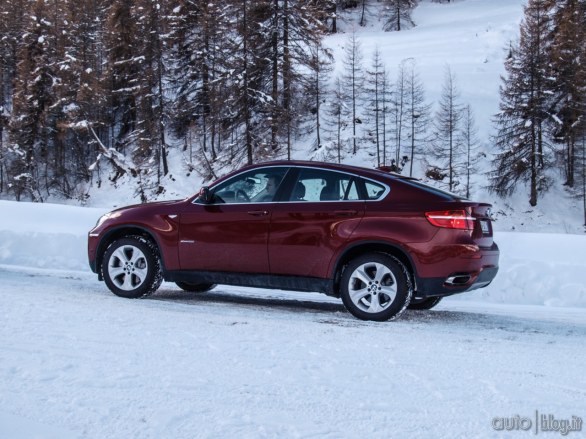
[(417, 112), (353, 80), (398, 14), (447, 127)]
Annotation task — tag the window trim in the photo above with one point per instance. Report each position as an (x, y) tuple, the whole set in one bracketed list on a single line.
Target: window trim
[(297, 168)]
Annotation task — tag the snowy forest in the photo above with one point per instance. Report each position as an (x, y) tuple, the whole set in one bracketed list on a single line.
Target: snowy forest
[(93, 90)]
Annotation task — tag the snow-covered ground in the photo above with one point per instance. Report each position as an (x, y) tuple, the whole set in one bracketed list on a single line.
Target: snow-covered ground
[(79, 362)]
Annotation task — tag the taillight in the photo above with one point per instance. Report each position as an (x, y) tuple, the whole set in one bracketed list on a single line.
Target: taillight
[(451, 219)]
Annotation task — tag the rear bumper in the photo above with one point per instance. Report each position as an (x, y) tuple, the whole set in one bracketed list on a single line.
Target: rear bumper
[(437, 286), (468, 269)]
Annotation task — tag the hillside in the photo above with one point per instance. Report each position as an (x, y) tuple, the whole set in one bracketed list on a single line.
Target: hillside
[(470, 37)]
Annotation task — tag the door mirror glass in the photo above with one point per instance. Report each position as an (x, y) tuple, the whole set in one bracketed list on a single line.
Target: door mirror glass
[(204, 195)]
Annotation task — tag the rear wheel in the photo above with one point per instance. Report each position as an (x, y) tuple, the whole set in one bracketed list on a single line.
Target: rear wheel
[(195, 288), (376, 286), (426, 303), (131, 267)]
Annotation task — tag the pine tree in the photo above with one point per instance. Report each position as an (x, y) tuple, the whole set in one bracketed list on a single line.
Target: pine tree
[(524, 107), (568, 50), (301, 34), (12, 25), (151, 145), (121, 77), (32, 123)]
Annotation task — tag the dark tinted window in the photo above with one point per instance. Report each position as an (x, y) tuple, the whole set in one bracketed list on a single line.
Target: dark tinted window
[(322, 185), (374, 191)]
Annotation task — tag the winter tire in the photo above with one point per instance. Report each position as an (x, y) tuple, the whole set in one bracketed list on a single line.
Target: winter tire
[(376, 286), (195, 288), (131, 267), (423, 304)]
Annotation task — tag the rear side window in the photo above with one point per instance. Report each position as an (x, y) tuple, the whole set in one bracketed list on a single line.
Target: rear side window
[(374, 191), (321, 185)]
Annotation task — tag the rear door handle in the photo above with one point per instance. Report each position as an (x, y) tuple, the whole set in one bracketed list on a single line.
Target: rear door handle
[(258, 212), (345, 212)]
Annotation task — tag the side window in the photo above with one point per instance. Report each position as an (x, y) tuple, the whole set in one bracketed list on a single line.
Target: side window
[(373, 190), (321, 185), (258, 186)]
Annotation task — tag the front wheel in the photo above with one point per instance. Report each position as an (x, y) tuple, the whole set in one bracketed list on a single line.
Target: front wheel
[(131, 267), (376, 286)]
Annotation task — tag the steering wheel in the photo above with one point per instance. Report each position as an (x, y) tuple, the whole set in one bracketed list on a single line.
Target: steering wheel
[(241, 195)]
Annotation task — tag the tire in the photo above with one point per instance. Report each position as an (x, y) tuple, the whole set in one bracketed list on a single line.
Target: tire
[(423, 304), (131, 267), (195, 288), (376, 286)]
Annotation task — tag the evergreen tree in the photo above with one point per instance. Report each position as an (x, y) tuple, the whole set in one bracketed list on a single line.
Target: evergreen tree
[(568, 51), (151, 145), (12, 24), (121, 78), (32, 121), (524, 107)]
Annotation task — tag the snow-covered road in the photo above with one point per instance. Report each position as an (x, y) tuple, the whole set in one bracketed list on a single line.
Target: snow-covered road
[(77, 361)]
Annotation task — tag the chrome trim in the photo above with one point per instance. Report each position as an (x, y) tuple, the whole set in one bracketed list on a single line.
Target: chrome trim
[(385, 193), (187, 241)]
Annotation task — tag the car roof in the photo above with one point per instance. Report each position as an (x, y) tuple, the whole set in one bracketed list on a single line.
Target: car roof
[(331, 166)]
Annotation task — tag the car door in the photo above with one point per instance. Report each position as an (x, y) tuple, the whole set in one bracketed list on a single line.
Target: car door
[(231, 232), (307, 229)]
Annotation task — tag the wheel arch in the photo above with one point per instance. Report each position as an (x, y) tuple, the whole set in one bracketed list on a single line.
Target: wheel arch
[(363, 247), (121, 232)]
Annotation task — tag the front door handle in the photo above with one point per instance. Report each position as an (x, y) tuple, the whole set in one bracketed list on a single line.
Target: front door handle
[(345, 212), (258, 212)]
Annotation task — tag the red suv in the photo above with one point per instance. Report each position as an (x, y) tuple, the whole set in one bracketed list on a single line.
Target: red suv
[(380, 241)]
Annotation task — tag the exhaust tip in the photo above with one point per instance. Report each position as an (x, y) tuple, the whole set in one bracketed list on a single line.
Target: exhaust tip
[(458, 279)]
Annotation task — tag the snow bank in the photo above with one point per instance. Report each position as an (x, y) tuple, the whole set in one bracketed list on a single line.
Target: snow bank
[(45, 235), (535, 268), (538, 269)]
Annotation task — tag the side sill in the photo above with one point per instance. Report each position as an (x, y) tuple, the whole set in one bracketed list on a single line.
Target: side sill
[(292, 283)]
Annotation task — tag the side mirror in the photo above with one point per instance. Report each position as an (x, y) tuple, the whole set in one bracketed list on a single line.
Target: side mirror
[(205, 195)]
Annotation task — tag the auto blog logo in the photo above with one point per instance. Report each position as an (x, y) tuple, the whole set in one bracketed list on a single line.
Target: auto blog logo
[(539, 422)]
